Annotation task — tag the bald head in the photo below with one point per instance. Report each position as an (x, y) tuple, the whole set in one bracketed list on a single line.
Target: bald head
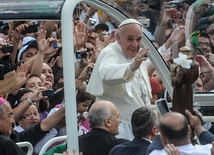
[(99, 111), (174, 120), (103, 104), (174, 126)]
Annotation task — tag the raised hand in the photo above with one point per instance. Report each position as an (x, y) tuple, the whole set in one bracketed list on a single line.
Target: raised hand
[(80, 35), (41, 41), (141, 56), (21, 74), (97, 49), (45, 45)]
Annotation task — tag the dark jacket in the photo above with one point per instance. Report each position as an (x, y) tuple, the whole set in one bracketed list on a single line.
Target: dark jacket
[(9, 147), (136, 147), (98, 142), (33, 135)]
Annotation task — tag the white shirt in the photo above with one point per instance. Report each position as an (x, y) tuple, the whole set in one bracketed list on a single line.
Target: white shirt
[(188, 149)]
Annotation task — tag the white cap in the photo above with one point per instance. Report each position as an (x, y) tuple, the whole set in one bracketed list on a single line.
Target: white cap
[(129, 21), (27, 39), (26, 43)]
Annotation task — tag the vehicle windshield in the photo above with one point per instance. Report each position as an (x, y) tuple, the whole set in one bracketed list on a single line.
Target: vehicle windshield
[(179, 35)]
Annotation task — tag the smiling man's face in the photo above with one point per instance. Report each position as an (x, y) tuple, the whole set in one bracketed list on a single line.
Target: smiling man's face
[(129, 39)]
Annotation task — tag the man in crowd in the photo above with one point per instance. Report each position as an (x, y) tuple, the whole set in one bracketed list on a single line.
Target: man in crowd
[(174, 129), (7, 146), (104, 120), (144, 127), (120, 74)]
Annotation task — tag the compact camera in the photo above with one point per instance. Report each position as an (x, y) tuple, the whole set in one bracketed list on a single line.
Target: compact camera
[(83, 53), (91, 23), (144, 21), (7, 49)]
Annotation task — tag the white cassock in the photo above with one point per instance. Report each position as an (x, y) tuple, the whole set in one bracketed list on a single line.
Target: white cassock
[(113, 80)]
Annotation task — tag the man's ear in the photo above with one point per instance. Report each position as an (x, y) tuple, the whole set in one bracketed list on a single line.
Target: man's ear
[(154, 130), (108, 122), (189, 130)]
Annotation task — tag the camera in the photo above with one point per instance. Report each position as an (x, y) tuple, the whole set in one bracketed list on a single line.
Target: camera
[(91, 23), (81, 54), (144, 21), (7, 49)]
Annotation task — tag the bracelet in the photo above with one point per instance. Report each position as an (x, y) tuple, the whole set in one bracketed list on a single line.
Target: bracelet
[(30, 101)]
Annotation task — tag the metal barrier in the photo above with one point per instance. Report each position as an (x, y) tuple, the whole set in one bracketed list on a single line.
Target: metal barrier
[(28, 145), (50, 142)]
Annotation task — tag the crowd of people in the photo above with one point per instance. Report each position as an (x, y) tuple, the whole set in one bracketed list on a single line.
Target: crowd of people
[(116, 83)]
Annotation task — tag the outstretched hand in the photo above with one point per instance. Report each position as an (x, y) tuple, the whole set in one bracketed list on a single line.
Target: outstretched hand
[(141, 56)]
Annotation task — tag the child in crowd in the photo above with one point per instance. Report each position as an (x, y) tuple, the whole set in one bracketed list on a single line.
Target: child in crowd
[(84, 101)]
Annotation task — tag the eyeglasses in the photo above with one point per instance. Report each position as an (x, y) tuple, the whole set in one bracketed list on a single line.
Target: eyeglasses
[(200, 44), (29, 116)]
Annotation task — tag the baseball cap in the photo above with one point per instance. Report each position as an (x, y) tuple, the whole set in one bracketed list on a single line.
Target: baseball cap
[(27, 43), (102, 26)]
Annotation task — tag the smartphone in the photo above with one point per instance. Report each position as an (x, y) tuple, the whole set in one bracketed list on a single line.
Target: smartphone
[(7, 49), (30, 29), (49, 93), (198, 59), (162, 106)]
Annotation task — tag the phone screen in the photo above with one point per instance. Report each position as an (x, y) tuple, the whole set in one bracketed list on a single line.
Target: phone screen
[(162, 106)]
